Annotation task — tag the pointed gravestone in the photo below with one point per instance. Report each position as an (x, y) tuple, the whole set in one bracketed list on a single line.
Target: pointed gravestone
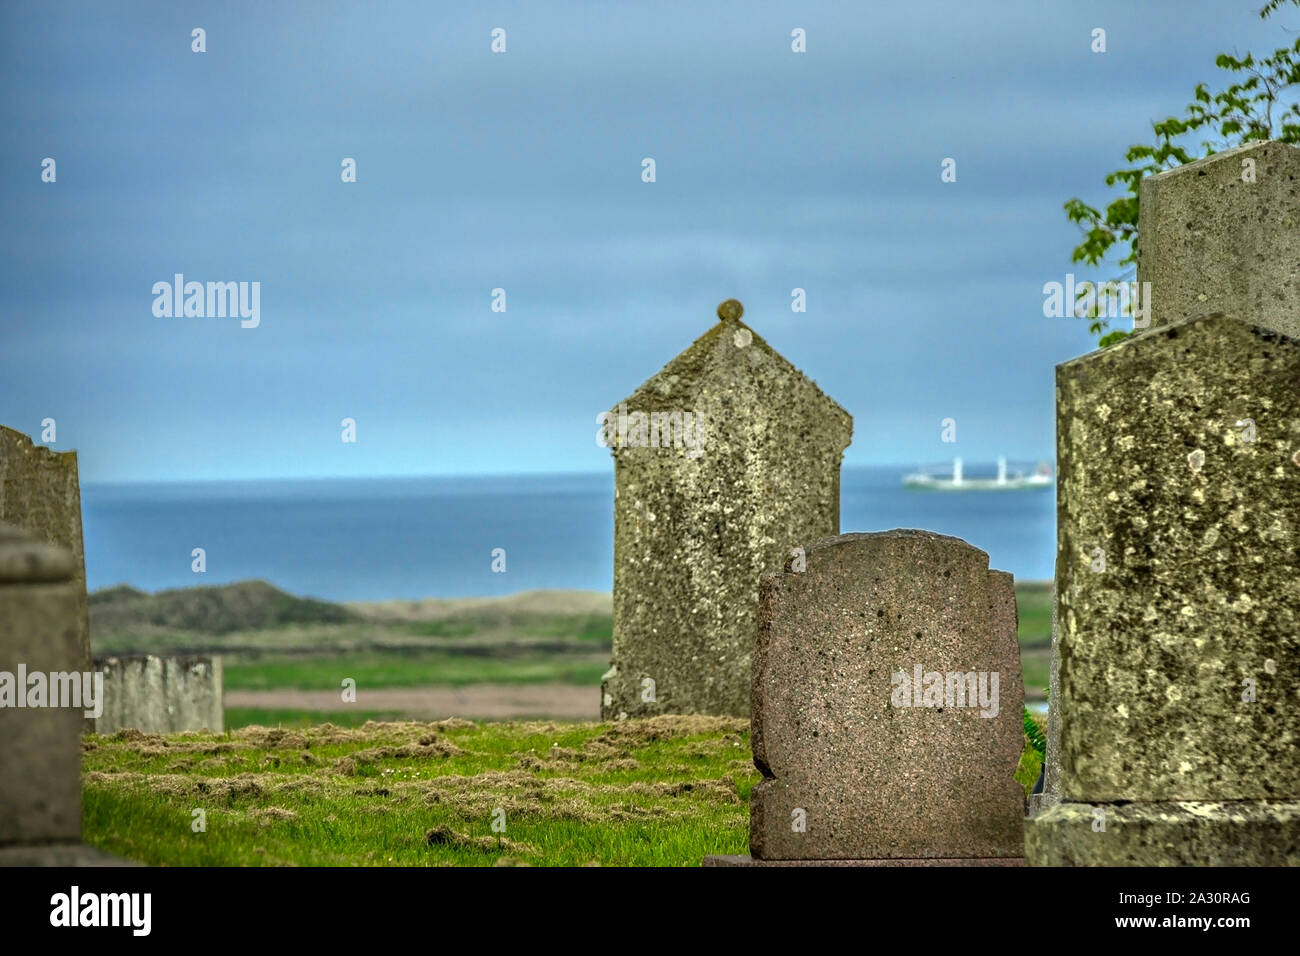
[(1176, 713), (723, 462), (887, 707), (40, 493)]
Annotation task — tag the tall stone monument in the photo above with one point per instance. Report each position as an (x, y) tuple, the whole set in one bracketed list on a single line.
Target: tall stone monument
[(723, 463), (40, 492), (887, 708), (1177, 706)]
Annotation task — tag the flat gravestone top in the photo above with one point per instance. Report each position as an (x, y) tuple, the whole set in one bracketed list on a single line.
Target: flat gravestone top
[(1223, 234), (1177, 571), (887, 704)]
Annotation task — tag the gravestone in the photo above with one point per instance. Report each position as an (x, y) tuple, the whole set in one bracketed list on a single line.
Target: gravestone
[(1219, 234), (40, 492), (1223, 234), (887, 716), (1178, 590), (1177, 504), (161, 695), (40, 743), (723, 462)]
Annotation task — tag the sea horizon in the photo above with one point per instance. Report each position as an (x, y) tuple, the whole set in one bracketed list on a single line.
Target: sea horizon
[(970, 465), (409, 537)]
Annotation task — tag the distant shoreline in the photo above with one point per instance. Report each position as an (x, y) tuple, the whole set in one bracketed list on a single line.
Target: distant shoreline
[(533, 653), (375, 540), (549, 598)]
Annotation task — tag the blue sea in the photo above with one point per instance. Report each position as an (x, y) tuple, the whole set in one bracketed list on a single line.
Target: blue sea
[(386, 538)]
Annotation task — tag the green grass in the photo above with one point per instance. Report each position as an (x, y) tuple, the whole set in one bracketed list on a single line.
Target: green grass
[(660, 792), (1035, 663), (1034, 606), (450, 627), (580, 628), (586, 628), (390, 669), (1031, 762), (295, 719)]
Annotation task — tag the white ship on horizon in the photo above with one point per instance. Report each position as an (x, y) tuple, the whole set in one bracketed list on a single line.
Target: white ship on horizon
[(957, 481)]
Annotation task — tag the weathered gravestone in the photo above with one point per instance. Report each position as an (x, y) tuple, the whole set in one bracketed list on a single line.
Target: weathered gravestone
[(1178, 590), (723, 462), (40, 492), (887, 707), (161, 695), (1222, 234), (1174, 712), (40, 741)]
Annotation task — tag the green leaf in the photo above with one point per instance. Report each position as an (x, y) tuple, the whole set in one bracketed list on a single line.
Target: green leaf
[(1260, 107)]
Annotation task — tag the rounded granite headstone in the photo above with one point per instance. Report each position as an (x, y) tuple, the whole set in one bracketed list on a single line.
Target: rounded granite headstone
[(887, 704)]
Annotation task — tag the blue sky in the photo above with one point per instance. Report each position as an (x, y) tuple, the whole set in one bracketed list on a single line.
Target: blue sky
[(522, 170)]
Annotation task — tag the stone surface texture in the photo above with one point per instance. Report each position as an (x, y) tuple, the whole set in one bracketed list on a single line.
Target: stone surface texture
[(40, 747), (692, 535), (1201, 583), (161, 695), (1189, 833), (59, 854), (1212, 242), (875, 780)]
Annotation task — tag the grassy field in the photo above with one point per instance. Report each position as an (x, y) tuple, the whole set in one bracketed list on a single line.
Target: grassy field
[(1034, 607), (297, 719), (271, 640), (400, 669), (291, 786), (664, 791)]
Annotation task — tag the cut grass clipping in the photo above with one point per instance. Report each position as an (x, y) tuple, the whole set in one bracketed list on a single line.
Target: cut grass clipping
[(663, 791)]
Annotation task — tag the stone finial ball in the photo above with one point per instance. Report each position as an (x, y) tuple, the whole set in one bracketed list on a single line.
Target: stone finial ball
[(731, 309)]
